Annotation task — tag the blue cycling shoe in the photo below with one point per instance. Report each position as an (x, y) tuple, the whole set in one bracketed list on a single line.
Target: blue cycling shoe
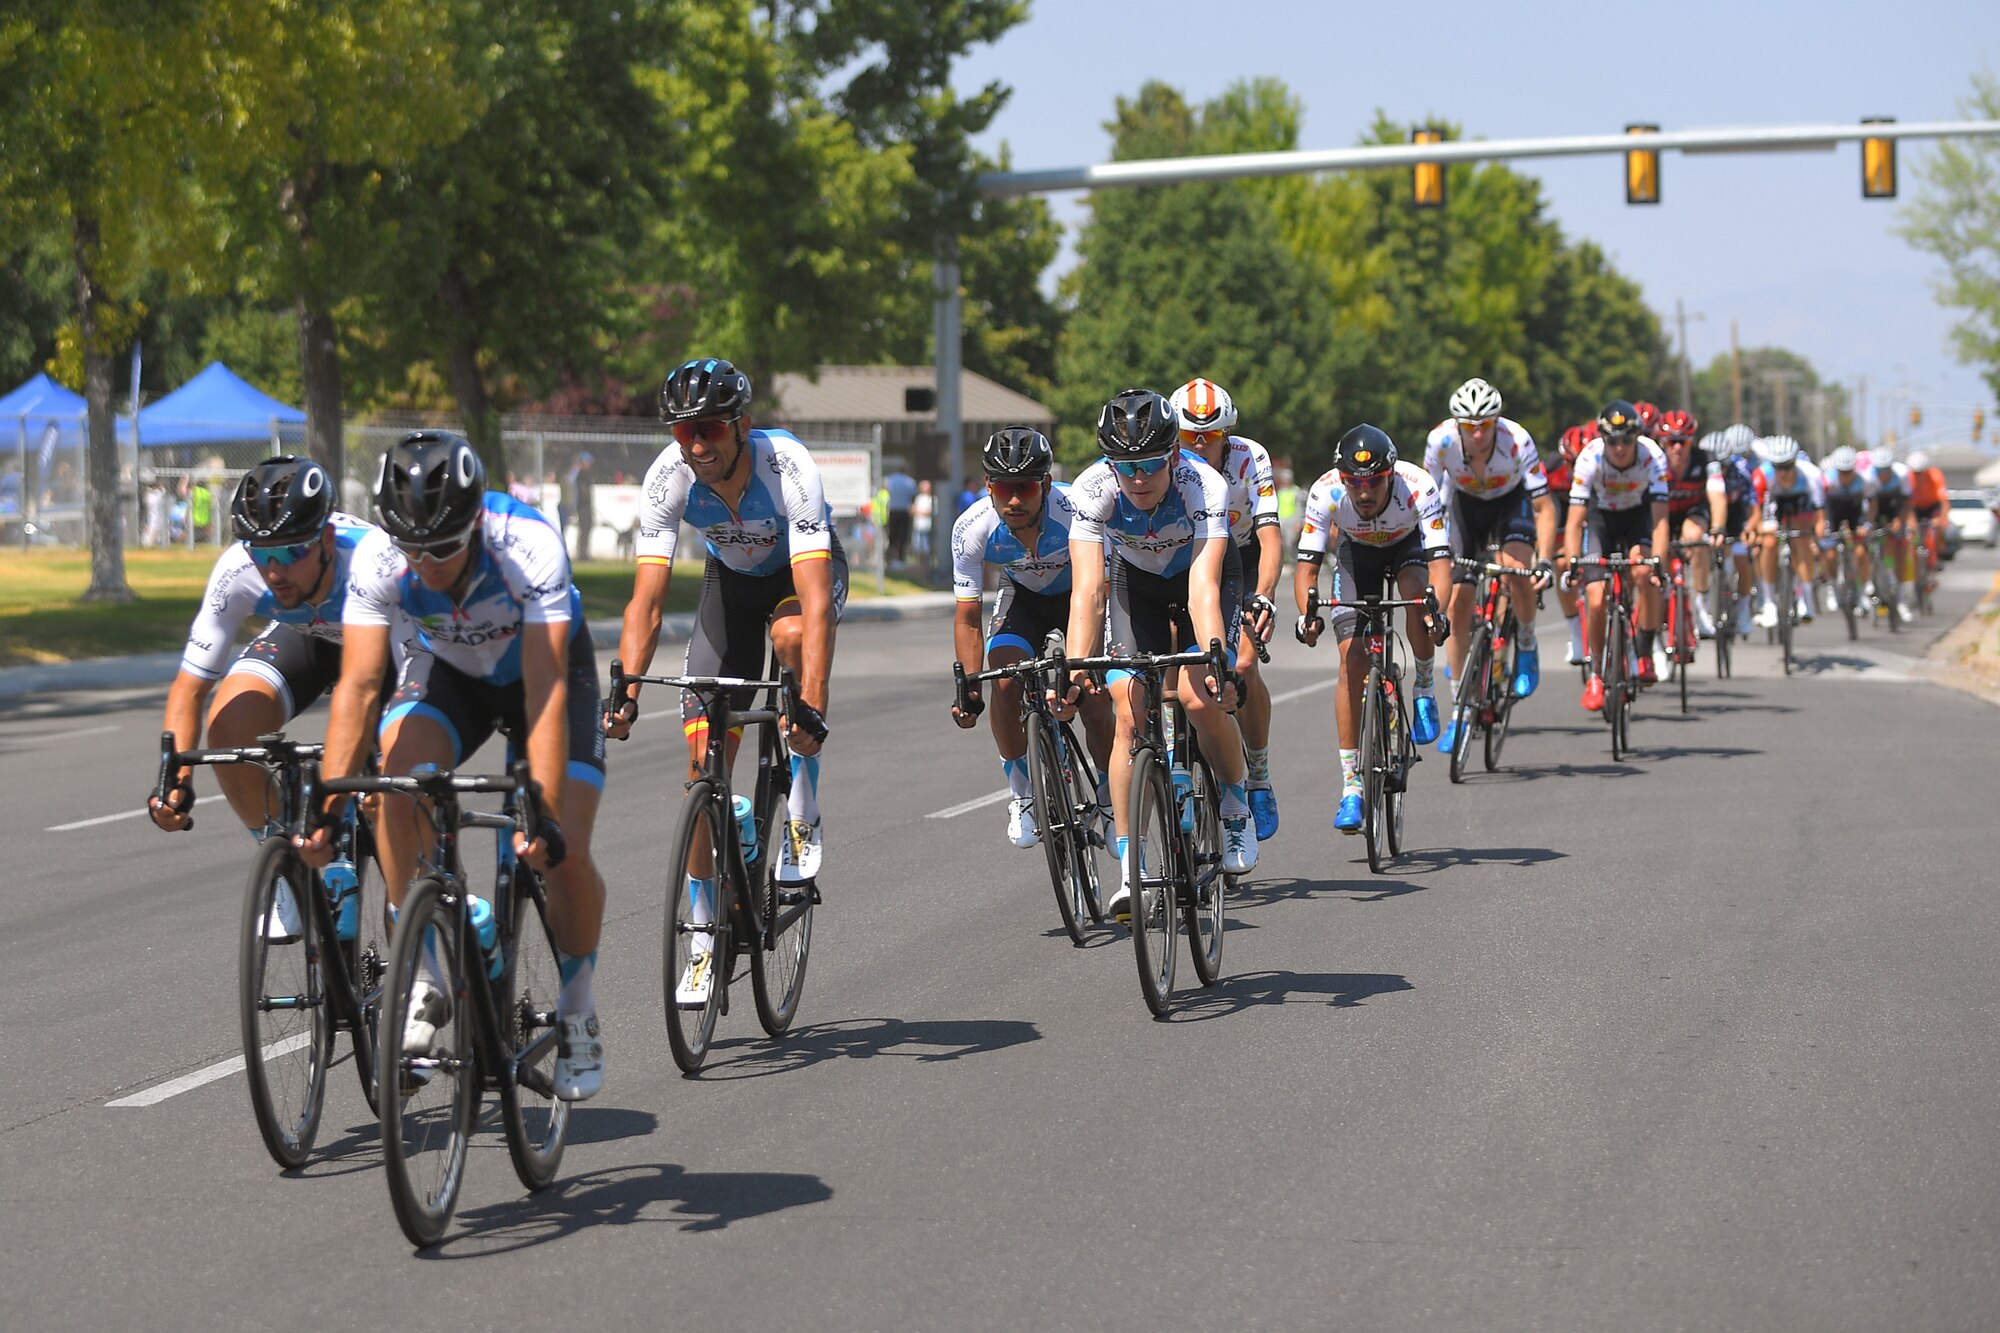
[(1425, 729), (1264, 809), (1348, 818), (1527, 672), (1449, 737)]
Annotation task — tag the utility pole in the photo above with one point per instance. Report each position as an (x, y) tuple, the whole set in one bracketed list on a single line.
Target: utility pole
[(1780, 381), (1861, 414), (1681, 317), (1735, 375)]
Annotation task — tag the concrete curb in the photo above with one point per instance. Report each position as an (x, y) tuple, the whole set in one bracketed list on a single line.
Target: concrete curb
[(147, 669)]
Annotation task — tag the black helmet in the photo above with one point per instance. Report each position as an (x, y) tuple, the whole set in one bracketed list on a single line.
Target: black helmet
[(1365, 451), (431, 490), (283, 501), (1138, 423), (704, 389), (1019, 452), (1619, 421)]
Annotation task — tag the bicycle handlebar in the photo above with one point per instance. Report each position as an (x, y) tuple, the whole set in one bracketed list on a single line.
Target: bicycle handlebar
[(621, 687), (439, 783), (269, 749)]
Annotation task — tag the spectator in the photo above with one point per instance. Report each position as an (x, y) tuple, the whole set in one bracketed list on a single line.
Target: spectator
[(582, 504), (921, 513), (201, 511), (902, 488), (154, 532), (967, 497)]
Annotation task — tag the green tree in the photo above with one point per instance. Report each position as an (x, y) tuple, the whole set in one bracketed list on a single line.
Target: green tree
[(1955, 218), (34, 296), (1782, 392)]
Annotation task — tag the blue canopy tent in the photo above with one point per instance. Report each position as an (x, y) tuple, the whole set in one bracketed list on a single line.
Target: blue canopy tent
[(218, 407), (41, 448)]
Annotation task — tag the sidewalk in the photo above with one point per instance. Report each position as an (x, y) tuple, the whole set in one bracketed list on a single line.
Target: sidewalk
[(1968, 656), (148, 669)]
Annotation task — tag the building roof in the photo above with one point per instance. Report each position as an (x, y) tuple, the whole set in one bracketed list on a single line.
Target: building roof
[(875, 393)]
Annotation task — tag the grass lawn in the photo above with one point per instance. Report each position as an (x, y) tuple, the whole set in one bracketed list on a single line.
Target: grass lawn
[(42, 620)]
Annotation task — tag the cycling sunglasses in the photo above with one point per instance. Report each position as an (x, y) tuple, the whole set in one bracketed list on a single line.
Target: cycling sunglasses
[(1474, 426), (1135, 468), (1202, 436), (435, 552), (1008, 490), (1351, 479), (281, 555), (707, 432)]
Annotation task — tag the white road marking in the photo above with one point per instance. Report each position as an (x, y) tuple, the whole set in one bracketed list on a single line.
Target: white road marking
[(995, 797), (153, 1096), (72, 735), (122, 814)]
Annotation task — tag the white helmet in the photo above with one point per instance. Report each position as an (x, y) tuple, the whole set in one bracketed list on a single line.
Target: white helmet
[(1476, 400), (1740, 439), (1778, 450), (1842, 459), (1714, 444), (1204, 405), (1918, 460)]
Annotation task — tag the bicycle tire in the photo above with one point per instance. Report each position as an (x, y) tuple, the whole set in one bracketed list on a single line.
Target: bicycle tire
[(778, 972), (1468, 697), (1850, 593), (1056, 817), (1614, 678), (536, 1121), (1154, 846), (1374, 704), (1401, 754), (1682, 644), (1207, 900), (690, 1030), (287, 1095), (366, 957), (1503, 703), (429, 1103), (1087, 828)]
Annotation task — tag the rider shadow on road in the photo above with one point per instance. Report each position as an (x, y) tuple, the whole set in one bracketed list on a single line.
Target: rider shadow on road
[(1430, 860), (1235, 993), (1692, 751), (927, 1041), (623, 1196)]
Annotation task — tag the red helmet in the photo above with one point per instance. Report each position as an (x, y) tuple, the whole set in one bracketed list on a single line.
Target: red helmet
[(1574, 439), (1675, 426), (1649, 415)]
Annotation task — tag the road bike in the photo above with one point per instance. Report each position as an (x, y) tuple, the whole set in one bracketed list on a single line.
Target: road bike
[(1788, 595), (1883, 567), (1846, 582), (294, 995), (1723, 587), (1483, 696), (1173, 864), (1621, 685), (494, 961), (1682, 645), (1068, 818), (753, 916)]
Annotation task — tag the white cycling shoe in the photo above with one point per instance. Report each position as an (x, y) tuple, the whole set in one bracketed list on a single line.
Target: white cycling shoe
[(282, 924), (1021, 828), (697, 980), (1743, 614), (1704, 623), (579, 1069), (1767, 613), (799, 851), (430, 1009), (1239, 844)]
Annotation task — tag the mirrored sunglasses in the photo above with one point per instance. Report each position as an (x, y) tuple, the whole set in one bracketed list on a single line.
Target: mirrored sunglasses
[(1202, 436), (435, 552), (707, 432), (1135, 468), (1008, 490), (281, 555)]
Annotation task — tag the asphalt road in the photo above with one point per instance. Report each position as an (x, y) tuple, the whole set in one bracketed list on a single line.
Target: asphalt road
[(1699, 1040)]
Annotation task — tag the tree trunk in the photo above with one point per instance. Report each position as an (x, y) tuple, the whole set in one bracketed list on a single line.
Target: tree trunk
[(104, 522), (319, 365), (468, 385)]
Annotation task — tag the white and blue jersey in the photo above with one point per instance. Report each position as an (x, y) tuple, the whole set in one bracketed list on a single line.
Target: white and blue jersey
[(783, 517), (1850, 487), (1159, 540), (1805, 491), (236, 591), (520, 577), (981, 537), (1888, 481)]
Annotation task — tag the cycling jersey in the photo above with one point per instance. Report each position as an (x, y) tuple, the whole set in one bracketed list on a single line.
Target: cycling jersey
[(520, 576), (783, 516), (1414, 505), (1927, 488), (1253, 494), (236, 591), (981, 537), (1887, 481), (1160, 540), (1514, 462), (1848, 487), (1804, 492), (1692, 486), (1596, 483)]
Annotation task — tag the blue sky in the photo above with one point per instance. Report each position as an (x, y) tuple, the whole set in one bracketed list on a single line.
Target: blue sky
[(1782, 244)]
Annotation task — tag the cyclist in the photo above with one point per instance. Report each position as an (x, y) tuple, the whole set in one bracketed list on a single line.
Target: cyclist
[(775, 570), (1697, 503), (1490, 473), (1567, 448), (1389, 524), (1021, 526), (1892, 509), (1848, 493), (478, 585), (290, 563), (1932, 506), (1618, 496), (1158, 517), (1792, 498), (1739, 481), (1207, 415)]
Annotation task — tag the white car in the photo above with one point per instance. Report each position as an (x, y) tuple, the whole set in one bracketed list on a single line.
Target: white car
[(1972, 516)]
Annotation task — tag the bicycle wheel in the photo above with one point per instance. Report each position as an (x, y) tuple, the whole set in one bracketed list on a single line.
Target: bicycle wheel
[(430, 1096), (778, 972), (1469, 696), (287, 1029), (1206, 901), (1057, 817), (1850, 593), (1152, 875), (367, 958), (1400, 755), (1501, 700), (1374, 759), (1086, 825), (1787, 609), (1682, 653), (536, 1120), (1614, 678), (1926, 571), (690, 1027)]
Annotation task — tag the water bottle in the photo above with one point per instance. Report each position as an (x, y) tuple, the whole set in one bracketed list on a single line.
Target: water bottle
[(484, 926), (343, 896), (746, 827), (1183, 780)]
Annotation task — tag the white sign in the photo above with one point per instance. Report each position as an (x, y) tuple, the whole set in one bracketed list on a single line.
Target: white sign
[(848, 477)]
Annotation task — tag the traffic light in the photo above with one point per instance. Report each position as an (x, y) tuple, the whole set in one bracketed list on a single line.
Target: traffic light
[(1642, 169), (1427, 178), (1978, 423), (1916, 416), (1878, 163)]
